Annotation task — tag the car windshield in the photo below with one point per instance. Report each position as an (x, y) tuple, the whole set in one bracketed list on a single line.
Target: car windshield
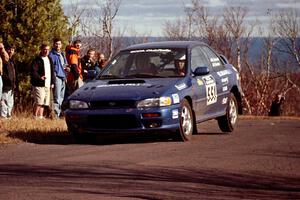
[(147, 63)]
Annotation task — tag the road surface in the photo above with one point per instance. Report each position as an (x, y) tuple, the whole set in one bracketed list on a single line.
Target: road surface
[(260, 160)]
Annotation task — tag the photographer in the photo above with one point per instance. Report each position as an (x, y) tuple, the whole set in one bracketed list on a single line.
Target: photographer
[(90, 65), (276, 107)]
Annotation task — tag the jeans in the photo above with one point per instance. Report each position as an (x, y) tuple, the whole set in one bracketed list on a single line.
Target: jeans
[(7, 103), (58, 95)]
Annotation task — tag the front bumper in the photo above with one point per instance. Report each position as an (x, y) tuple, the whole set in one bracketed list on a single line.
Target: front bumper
[(127, 120)]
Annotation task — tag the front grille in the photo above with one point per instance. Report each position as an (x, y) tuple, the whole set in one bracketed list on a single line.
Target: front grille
[(112, 121), (112, 104)]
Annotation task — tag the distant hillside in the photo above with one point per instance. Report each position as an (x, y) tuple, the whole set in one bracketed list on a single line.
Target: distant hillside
[(256, 50)]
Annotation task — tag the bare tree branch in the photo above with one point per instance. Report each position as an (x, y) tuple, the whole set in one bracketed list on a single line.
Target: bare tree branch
[(288, 29)]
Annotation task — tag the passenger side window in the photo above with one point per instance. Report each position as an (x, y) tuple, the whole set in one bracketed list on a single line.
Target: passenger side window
[(198, 59), (214, 60)]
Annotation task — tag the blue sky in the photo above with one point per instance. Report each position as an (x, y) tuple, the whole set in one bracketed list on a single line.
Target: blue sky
[(147, 17)]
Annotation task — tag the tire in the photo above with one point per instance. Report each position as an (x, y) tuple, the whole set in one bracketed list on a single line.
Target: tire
[(228, 122), (186, 122)]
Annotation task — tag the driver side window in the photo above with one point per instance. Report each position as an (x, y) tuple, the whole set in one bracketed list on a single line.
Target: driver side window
[(198, 59)]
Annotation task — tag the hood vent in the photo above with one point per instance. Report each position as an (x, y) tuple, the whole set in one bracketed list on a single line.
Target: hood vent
[(126, 81)]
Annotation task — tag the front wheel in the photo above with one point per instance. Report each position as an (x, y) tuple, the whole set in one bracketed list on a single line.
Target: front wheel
[(228, 121), (186, 121)]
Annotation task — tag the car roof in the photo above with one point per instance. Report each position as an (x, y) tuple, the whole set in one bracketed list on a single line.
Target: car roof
[(165, 44)]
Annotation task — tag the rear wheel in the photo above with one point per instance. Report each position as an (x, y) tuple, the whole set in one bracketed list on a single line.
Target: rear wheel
[(228, 121), (186, 121)]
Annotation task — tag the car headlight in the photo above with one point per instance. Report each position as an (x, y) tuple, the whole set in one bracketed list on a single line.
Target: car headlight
[(155, 102), (75, 104)]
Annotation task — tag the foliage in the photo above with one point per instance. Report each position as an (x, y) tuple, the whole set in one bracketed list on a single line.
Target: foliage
[(97, 23), (26, 25), (230, 35)]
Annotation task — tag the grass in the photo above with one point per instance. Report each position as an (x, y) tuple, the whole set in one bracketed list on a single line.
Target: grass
[(24, 129)]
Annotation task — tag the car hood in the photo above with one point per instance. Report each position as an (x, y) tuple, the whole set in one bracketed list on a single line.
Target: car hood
[(133, 89)]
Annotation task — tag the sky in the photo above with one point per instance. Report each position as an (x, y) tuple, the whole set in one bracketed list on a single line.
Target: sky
[(147, 17)]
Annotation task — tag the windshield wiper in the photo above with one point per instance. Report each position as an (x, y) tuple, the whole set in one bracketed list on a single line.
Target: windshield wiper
[(141, 75)]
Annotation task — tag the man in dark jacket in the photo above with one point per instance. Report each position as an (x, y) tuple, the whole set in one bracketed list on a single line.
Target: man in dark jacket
[(276, 109), (90, 65), (9, 84), (42, 80)]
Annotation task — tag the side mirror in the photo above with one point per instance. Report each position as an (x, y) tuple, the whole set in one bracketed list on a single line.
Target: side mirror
[(200, 71)]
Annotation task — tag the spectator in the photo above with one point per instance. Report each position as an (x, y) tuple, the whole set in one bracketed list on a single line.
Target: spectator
[(90, 65), (4, 54), (102, 61), (276, 109), (3, 57), (74, 77), (9, 84), (60, 63), (1, 84), (42, 80)]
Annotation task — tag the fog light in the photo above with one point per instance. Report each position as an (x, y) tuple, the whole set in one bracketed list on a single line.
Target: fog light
[(154, 125)]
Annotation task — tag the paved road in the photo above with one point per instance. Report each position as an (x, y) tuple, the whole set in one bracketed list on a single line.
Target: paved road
[(260, 160)]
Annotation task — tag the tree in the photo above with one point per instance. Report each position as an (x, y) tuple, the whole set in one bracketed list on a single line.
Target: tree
[(183, 28), (288, 30), (75, 16), (97, 26), (231, 35), (271, 73), (234, 22), (27, 24)]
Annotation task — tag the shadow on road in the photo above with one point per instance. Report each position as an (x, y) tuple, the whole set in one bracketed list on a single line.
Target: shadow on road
[(147, 182), (41, 137), (65, 138)]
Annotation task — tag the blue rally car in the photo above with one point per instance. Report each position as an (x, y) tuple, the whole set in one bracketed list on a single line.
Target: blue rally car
[(158, 87)]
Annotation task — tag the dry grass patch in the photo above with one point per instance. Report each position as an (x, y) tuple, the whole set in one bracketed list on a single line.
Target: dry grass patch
[(18, 130)]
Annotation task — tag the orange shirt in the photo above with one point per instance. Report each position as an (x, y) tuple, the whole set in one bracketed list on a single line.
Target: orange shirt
[(73, 58)]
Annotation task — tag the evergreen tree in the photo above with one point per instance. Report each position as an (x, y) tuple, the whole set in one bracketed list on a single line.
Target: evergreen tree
[(25, 25)]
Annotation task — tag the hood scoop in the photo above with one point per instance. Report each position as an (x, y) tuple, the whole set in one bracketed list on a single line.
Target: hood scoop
[(129, 81)]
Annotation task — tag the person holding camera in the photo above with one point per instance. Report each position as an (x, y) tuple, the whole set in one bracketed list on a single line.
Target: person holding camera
[(90, 66), (276, 106)]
